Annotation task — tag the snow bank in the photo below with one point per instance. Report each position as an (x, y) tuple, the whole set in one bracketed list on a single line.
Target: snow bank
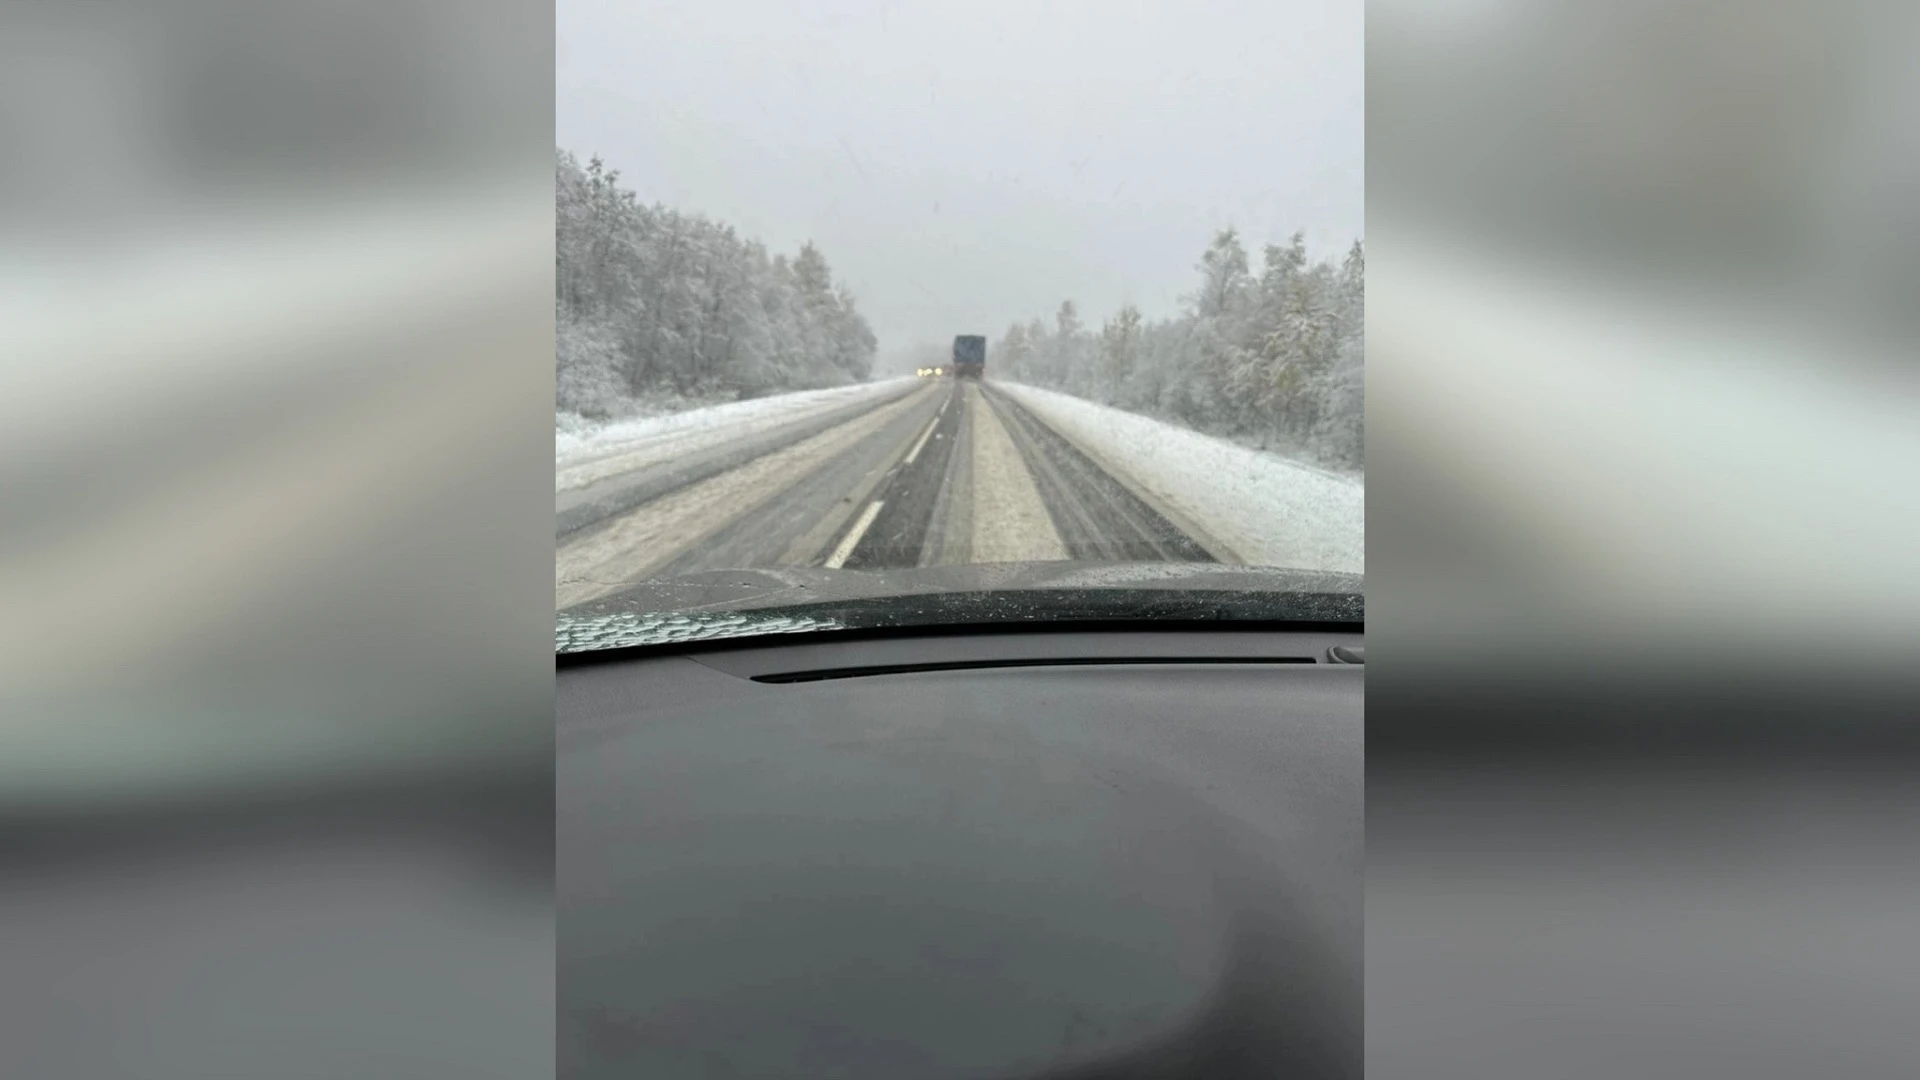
[(582, 457), (1268, 509)]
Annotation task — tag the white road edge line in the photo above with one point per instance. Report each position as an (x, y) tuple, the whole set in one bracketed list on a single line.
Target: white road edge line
[(924, 436), (845, 550)]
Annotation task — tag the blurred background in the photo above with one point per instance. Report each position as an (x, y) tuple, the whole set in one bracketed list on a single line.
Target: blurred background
[(275, 423), (275, 393), (1643, 576)]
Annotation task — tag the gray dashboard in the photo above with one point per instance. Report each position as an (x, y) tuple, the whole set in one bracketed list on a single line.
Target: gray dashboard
[(1065, 854)]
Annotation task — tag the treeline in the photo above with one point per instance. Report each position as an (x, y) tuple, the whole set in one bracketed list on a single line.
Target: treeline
[(659, 307), (1275, 359)]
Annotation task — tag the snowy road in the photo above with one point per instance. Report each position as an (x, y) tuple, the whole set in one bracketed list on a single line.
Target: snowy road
[(914, 473)]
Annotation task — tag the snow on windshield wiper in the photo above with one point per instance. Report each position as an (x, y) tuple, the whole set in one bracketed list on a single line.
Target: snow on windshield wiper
[(624, 629), (793, 599)]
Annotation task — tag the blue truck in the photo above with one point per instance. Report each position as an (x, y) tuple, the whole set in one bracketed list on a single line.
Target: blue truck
[(969, 356)]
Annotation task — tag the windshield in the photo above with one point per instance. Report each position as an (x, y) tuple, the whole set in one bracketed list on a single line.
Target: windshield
[(994, 312)]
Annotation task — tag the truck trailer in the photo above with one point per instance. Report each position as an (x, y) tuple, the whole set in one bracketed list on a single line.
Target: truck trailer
[(969, 356)]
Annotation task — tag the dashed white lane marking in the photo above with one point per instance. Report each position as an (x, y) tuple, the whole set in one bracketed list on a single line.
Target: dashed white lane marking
[(845, 550), (642, 541), (925, 435)]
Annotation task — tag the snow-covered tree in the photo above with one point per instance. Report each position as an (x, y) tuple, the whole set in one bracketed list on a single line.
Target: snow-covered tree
[(653, 305), (1275, 359), (1015, 353), (1119, 352), (586, 377), (1071, 349)]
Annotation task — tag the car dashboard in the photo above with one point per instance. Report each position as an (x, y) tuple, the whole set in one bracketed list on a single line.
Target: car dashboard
[(1060, 852)]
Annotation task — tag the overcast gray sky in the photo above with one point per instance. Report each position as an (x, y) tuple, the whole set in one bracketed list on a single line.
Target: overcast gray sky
[(968, 163)]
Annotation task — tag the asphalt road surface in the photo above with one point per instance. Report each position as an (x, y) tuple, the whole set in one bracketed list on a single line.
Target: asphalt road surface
[(942, 472)]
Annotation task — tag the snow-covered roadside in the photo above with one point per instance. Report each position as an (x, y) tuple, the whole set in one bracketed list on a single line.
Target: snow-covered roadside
[(1269, 510), (581, 459)]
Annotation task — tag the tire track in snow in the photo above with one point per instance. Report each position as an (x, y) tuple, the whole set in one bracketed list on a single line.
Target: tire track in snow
[(641, 541)]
